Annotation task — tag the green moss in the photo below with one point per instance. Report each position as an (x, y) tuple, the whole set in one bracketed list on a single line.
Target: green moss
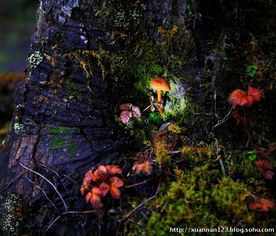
[(118, 63), (60, 139), (71, 146), (73, 90), (143, 75), (200, 196), (251, 70), (196, 154), (58, 143), (190, 201), (120, 19), (61, 130), (230, 197), (86, 58)]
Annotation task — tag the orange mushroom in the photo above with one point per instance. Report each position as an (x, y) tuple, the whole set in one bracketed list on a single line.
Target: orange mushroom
[(160, 84)]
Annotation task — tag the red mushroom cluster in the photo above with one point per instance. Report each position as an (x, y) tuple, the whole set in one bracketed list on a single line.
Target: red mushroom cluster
[(240, 98), (265, 167), (261, 204), (128, 111), (97, 183)]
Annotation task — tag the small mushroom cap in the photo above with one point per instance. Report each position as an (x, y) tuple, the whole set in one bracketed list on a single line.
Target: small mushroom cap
[(160, 84)]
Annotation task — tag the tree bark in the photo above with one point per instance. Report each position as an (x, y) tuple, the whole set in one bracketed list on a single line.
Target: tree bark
[(64, 116), (64, 109), (84, 62)]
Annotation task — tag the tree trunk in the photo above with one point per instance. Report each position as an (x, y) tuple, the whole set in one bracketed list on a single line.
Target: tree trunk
[(64, 109), (89, 56), (79, 63)]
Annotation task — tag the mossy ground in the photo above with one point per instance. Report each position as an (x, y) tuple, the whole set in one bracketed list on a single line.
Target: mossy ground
[(206, 188), (209, 180)]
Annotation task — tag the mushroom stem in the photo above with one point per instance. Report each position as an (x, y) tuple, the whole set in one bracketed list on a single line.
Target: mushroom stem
[(161, 111), (159, 95)]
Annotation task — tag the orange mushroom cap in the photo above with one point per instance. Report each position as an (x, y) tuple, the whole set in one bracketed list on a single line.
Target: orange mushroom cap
[(160, 84)]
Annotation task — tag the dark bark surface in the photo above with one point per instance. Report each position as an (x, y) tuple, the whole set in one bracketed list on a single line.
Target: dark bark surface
[(84, 62), (64, 117)]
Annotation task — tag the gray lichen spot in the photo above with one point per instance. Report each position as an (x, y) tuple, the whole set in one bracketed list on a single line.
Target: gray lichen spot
[(11, 213), (60, 12), (35, 59), (18, 128), (120, 19), (178, 100), (19, 106)]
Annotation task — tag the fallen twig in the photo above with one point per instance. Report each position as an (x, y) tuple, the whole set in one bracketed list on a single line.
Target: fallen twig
[(43, 177), (37, 186), (67, 213), (222, 167), (223, 120), (57, 174), (41, 220), (174, 152), (11, 182), (143, 182), (46, 196), (72, 180), (140, 205), (176, 162), (51, 224), (78, 212)]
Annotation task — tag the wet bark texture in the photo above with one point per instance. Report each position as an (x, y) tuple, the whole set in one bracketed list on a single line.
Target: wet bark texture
[(64, 114), (64, 117), (83, 63)]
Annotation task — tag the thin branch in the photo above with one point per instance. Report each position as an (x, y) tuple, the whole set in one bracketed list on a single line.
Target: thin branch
[(143, 182), (48, 169), (224, 119), (42, 218), (37, 186), (67, 213), (174, 152), (147, 108), (12, 181), (43, 177), (176, 162), (140, 205), (134, 222), (57, 174), (78, 212), (72, 180), (51, 224), (46, 196), (222, 167)]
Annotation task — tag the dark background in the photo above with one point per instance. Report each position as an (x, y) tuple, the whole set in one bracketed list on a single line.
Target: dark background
[(17, 23)]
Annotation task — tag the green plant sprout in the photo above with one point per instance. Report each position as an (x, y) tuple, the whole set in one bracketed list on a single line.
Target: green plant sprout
[(251, 70), (251, 155)]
